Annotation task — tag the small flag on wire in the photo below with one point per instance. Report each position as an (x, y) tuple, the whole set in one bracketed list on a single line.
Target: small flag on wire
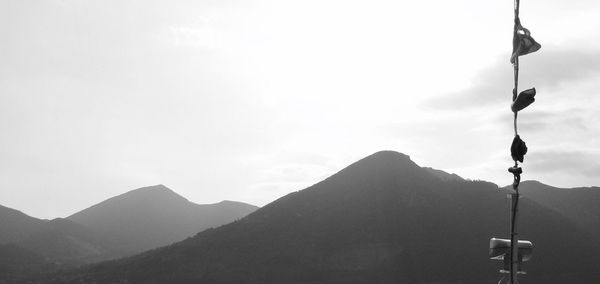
[(523, 43), (524, 99)]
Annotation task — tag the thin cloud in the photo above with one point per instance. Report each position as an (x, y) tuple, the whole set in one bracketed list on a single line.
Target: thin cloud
[(551, 69), (540, 120), (560, 162)]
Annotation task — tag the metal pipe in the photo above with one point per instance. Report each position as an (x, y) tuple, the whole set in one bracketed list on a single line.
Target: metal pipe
[(514, 247)]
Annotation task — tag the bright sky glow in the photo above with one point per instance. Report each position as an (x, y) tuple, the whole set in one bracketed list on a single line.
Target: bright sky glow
[(251, 100)]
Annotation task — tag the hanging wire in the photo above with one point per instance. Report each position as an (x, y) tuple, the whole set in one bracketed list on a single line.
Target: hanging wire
[(517, 5), (517, 178)]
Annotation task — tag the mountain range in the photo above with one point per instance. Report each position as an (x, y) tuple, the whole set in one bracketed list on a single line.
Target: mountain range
[(578, 204), (130, 223), (155, 216), (382, 219)]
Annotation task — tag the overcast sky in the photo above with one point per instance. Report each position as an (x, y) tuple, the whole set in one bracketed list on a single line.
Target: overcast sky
[(250, 100)]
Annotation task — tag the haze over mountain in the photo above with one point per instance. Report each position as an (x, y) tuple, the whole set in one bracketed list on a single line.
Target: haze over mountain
[(65, 242), (581, 204), (138, 220), (52, 243), (155, 216), (16, 225), (383, 219)]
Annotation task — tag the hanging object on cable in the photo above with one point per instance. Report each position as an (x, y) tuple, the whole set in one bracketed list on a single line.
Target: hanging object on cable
[(524, 99), (518, 149), (523, 43), (516, 171)]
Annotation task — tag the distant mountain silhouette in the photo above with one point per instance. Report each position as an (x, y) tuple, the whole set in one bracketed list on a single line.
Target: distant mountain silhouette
[(16, 225), (581, 205), (65, 242), (30, 245), (383, 219), (141, 219), (58, 241), (155, 216)]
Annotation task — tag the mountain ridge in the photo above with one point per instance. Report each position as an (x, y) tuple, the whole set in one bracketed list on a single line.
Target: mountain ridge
[(15, 224), (155, 216), (573, 203), (382, 219), (64, 242)]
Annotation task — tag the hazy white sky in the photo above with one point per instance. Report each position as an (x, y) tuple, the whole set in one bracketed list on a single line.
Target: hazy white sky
[(249, 100)]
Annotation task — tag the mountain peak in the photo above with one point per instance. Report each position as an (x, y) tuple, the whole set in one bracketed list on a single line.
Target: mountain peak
[(158, 191), (154, 216), (383, 161), (156, 196), (158, 187), (389, 154), (535, 183), (532, 185)]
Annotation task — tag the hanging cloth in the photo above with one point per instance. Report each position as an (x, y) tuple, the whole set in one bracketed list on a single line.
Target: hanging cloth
[(523, 43), (518, 149), (524, 99)]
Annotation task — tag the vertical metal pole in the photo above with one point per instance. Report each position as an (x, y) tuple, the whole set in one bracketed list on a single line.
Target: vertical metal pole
[(514, 246)]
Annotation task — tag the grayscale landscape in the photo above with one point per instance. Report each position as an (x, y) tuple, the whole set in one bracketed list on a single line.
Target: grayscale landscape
[(299, 142), (382, 219)]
